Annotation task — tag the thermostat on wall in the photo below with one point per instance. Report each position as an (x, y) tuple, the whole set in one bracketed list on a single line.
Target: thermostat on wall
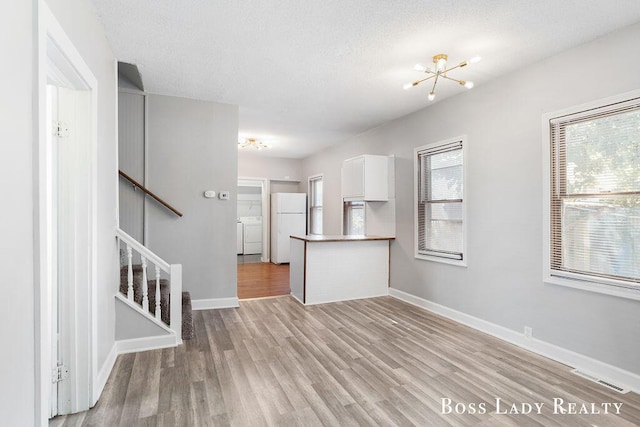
[(209, 194), (224, 195)]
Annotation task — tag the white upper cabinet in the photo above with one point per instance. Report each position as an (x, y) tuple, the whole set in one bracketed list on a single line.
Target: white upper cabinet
[(366, 178)]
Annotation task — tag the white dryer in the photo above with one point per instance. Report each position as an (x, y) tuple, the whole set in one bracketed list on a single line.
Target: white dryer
[(252, 241)]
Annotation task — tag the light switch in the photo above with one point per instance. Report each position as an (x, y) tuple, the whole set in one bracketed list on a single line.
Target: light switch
[(224, 195), (209, 194)]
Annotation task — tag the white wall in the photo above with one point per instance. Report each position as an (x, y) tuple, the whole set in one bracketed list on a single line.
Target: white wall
[(80, 23), (191, 148), (16, 228), (284, 175), (274, 168), (503, 281), (17, 173)]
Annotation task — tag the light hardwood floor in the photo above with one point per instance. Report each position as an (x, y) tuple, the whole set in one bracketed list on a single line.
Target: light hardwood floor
[(369, 362)]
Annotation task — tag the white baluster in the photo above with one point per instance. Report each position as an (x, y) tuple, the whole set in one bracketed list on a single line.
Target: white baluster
[(158, 312), (145, 294), (129, 274)]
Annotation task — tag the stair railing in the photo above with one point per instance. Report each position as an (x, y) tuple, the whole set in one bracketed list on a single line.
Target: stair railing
[(173, 271), (136, 184)]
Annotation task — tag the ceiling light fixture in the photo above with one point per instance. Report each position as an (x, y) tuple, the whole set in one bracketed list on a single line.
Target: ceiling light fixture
[(440, 70), (252, 143)]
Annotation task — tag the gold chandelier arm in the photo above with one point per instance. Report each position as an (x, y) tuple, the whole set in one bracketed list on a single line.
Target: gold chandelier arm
[(462, 64), (435, 81), (417, 82), (455, 80)]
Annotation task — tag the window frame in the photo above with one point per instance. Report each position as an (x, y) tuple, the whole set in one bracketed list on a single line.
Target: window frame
[(416, 202), (311, 206), (592, 283)]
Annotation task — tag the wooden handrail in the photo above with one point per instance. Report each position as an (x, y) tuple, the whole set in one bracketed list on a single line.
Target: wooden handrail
[(145, 191)]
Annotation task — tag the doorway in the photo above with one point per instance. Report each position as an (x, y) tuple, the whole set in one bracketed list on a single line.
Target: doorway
[(67, 225), (253, 221)]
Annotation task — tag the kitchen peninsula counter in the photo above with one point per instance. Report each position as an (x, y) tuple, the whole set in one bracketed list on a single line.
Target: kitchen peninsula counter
[(328, 268)]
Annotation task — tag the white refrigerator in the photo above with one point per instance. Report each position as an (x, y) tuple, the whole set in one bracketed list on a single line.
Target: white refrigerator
[(288, 217)]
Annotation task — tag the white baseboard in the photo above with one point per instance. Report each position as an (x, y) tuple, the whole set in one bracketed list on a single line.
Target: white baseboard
[(584, 363), (147, 343), (214, 303), (104, 373)]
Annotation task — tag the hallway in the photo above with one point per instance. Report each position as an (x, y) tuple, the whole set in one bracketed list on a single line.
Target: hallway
[(262, 279)]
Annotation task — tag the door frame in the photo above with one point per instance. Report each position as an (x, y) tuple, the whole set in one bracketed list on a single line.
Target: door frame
[(58, 59)]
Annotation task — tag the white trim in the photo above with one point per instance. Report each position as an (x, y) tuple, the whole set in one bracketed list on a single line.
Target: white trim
[(553, 277), (53, 44), (214, 303), (308, 304), (593, 286), (104, 373), (297, 299), (135, 345), (465, 209), (315, 177), (584, 363)]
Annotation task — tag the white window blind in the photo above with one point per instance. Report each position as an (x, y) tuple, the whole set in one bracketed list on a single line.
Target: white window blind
[(315, 205), (440, 201), (595, 194), (354, 218)]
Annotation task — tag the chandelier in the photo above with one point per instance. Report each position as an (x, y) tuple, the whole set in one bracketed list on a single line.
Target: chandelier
[(440, 71), (252, 143)]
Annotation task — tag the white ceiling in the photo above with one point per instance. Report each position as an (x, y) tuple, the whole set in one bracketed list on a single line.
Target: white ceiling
[(307, 74)]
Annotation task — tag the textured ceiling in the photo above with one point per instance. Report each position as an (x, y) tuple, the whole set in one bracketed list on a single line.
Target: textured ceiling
[(307, 74)]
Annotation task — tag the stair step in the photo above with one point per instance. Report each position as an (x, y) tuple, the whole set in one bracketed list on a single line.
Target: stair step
[(188, 330), (165, 306)]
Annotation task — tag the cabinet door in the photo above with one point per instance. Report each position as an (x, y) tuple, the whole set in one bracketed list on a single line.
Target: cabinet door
[(376, 178), (353, 178)]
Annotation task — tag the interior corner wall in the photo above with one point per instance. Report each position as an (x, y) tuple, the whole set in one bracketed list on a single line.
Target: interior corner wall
[(80, 23), (17, 42), (503, 122), (284, 173), (131, 325), (191, 148)]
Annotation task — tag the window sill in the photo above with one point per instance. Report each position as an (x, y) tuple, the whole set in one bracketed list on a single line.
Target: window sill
[(591, 286), (459, 263)]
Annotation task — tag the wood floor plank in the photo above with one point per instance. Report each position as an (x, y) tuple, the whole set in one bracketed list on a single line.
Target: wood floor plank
[(262, 279), (377, 361)]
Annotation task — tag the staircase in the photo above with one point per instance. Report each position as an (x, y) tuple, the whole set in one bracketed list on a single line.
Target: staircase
[(165, 304), (143, 276)]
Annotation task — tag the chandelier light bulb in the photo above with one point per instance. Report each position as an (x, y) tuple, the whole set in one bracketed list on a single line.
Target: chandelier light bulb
[(468, 85), (475, 59), (441, 64), (431, 96), (420, 67), (407, 86)]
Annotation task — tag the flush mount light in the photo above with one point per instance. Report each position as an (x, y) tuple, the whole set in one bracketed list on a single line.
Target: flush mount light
[(439, 71), (252, 143)]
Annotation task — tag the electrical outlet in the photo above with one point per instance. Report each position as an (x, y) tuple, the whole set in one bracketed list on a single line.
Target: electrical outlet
[(528, 332)]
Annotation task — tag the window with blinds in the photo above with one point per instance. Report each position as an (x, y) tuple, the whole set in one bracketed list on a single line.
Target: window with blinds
[(315, 205), (595, 195), (439, 210), (353, 218)]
